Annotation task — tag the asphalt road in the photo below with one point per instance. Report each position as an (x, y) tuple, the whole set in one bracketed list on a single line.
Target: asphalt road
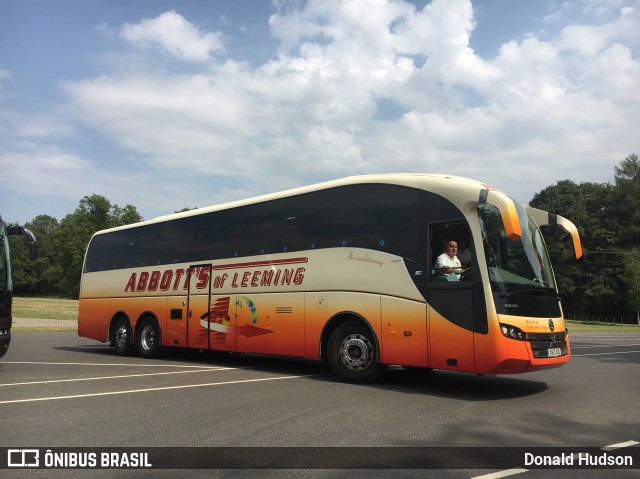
[(59, 390)]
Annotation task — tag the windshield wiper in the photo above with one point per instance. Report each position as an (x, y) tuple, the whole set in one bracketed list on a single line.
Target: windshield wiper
[(503, 290), (521, 291), (510, 291)]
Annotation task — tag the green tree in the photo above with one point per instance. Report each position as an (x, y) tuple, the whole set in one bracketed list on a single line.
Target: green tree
[(39, 277), (72, 237), (632, 280), (48, 273), (22, 269), (608, 219), (593, 283), (627, 200)]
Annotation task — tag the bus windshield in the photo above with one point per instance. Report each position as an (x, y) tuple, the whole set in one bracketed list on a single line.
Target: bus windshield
[(5, 272), (515, 265)]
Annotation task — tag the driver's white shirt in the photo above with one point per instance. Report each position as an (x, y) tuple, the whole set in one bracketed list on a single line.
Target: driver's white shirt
[(446, 261)]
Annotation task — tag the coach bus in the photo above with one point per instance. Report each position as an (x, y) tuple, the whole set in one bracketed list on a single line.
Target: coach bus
[(341, 271), (6, 284)]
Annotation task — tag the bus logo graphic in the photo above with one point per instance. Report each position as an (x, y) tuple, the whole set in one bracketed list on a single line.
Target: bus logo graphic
[(551, 325), (219, 310), (23, 458), (250, 305), (218, 320)]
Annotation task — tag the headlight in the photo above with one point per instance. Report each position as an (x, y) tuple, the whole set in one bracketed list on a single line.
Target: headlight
[(512, 332)]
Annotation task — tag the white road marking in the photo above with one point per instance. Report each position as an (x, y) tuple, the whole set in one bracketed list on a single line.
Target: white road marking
[(131, 365), (505, 473), (606, 346), (166, 388), (620, 445), (97, 378), (603, 354)]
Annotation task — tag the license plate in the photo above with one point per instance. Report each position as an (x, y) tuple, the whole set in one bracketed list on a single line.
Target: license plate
[(554, 352)]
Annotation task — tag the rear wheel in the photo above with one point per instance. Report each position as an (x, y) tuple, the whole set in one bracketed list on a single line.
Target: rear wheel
[(122, 337), (352, 353), (148, 339)]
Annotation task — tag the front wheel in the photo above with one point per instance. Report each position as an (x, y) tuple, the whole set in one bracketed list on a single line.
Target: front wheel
[(148, 339), (352, 353)]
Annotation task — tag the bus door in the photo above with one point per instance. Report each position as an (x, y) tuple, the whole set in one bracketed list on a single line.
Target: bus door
[(176, 331), (211, 318), (451, 297)]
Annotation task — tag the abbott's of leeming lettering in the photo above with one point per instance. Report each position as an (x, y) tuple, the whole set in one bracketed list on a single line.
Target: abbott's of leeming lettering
[(342, 271), (180, 278)]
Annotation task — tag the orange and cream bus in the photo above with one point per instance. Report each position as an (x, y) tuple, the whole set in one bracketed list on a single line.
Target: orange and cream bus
[(342, 271)]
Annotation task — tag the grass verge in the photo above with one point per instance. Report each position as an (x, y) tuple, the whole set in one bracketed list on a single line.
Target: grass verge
[(45, 308), (17, 330), (594, 327)]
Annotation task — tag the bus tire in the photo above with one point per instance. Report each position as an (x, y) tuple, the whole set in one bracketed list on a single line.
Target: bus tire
[(123, 338), (148, 339), (352, 353)]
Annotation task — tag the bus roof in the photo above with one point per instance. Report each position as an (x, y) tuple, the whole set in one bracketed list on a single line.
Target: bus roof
[(449, 185)]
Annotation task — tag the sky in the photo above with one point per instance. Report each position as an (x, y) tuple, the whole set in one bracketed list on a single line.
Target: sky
[(171, 104)]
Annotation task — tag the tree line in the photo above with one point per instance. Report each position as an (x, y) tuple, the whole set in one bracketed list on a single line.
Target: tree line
[(605, 281), (61, 247)]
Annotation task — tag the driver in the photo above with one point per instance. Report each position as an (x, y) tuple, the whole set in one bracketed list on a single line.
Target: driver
[(448, 264)]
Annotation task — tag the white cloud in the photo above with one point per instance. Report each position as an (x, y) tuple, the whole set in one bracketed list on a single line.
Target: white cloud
[(312, 110), (542, 110), (175, 36), (41, 169), (589, 40)]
